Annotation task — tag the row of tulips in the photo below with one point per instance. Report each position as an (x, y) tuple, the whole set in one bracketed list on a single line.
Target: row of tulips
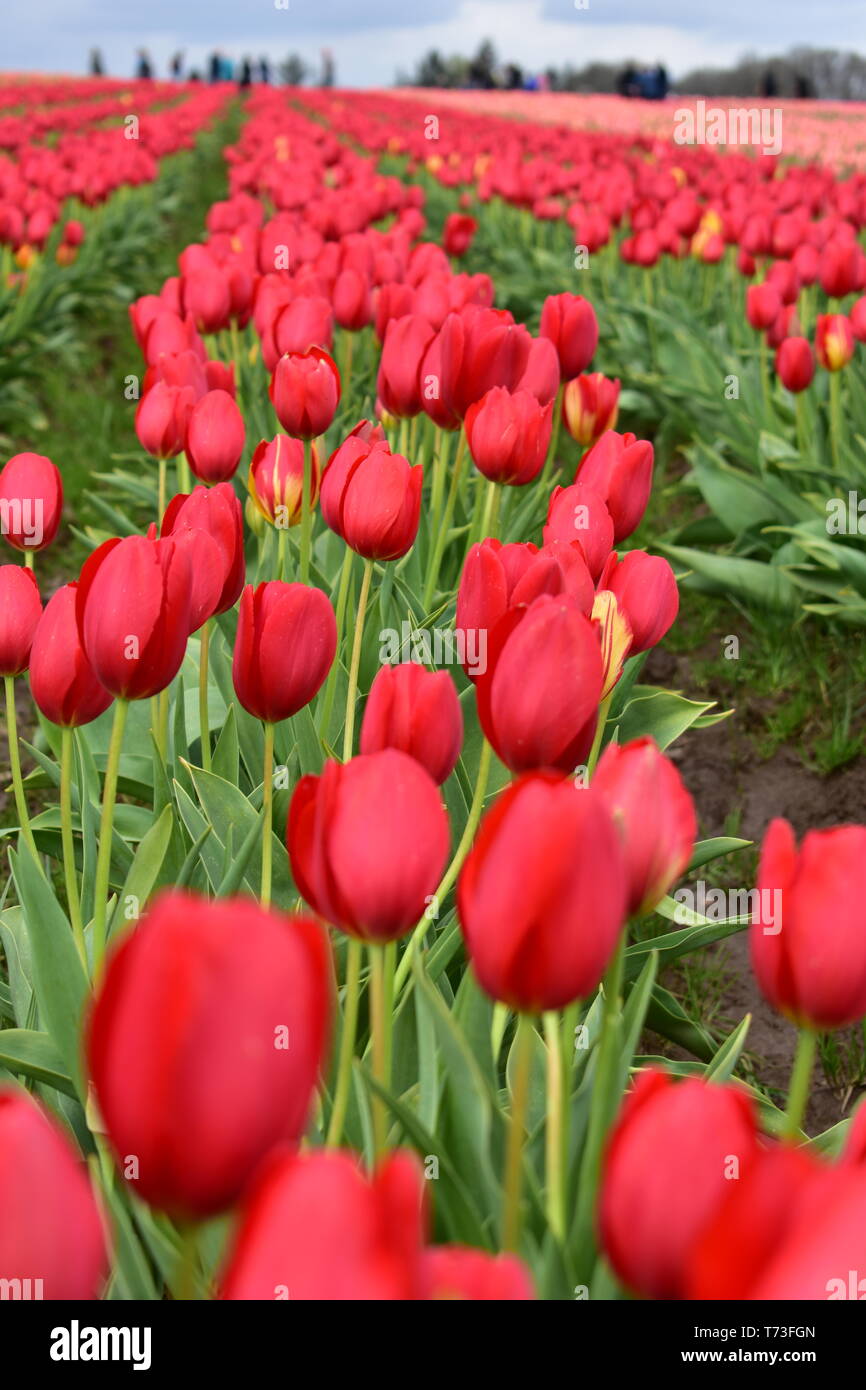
[(220, 1031)]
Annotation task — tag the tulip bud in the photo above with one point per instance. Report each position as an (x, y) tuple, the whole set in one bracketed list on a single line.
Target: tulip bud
[(580, 514), (398, 384), (418, 712), (763, 303), (62, 681), (133, 609), (541, 897), (569, 321), (368, 841), (620, 469), (808, 933), (51, 1232), (205, 1043), (538, 697), (284, 648), (31, 501), (305, 392), (509, 435), (839, 268), (162, 417), (460, 1272), (207, 298), (276, 479), (650, 1219), (790, 1230), (590, 405), (657, 848), (352, 300), (20, 613), (217, 512), (320, 1228), (795, 364), (215, 437), (857, 319), (834, 341), (646, 591), (372, 498), (458, 233)]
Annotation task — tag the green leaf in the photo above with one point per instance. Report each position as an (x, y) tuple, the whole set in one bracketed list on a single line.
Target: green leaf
[(59, 981), (145, 868), (723, 1065), (34, 1055)]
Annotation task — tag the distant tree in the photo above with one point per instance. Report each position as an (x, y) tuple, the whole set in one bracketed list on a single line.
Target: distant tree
[(293, 70)]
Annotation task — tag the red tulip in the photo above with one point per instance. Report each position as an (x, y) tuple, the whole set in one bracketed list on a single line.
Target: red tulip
[(474, 350), (417, 711), (458, 233), (217, 512), (215, 437), (285, 646), (20, 614), (857, 319), (795, 364), (509, 435), (316, 1227), (541, 376), (541, 897), (792, 1229), (368, 841), (620, 469), (808, 934), (207, 298), (372, 498), (647, 593), (133, 609), (307, 322), (62, 680), (52, 1240), (31, 501), (162, 418), (352, 300), (276, 479), (834, 341), (580, 514), (539, 694), (305, 392), (763, 303), (650, 1217), (839, 268), (393, 301), (657, 848), (569, 321), (205, 1044), (459, 1272), (398, 384), (590, 405)]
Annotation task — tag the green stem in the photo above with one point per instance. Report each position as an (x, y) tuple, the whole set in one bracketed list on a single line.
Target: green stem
[(801, 1076), (352, 692), (268, 814), (491, 510), (282, 552), (160, 492), (29, 560), (331, 686), (347, 1043), (68, 843), (15, 766), (203, 719), (184, 476), (307, 511), (186, 1280), (603, 1103), (512, 1184), (454, 867), (380, 1029), (106, 827), (835, 417), (443, 526), (765, 373), (554, 1135), (599, 733)]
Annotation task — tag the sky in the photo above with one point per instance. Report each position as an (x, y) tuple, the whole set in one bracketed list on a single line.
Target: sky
[(372, 39)]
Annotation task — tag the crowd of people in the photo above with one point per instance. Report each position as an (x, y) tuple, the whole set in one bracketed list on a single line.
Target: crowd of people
[(219, 68)]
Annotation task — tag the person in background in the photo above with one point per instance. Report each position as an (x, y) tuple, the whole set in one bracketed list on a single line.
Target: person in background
[(96, 68), (245, 76), (264, 70), (213, 67), (176, 66), (144, 68), (328, 70)]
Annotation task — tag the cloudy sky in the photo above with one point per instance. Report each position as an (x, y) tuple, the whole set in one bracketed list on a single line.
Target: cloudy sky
[(372, 39)]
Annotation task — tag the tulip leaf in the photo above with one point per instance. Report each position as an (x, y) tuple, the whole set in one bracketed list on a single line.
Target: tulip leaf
[(34, 1055), (666, 1016), (59, 981), (663, 715), (226, 756), (16, 949), (723, 1065), (764, 585), (707, 850), (145, 869)]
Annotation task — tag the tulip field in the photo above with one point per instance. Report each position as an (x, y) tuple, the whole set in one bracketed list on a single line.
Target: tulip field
[(405, 503)]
